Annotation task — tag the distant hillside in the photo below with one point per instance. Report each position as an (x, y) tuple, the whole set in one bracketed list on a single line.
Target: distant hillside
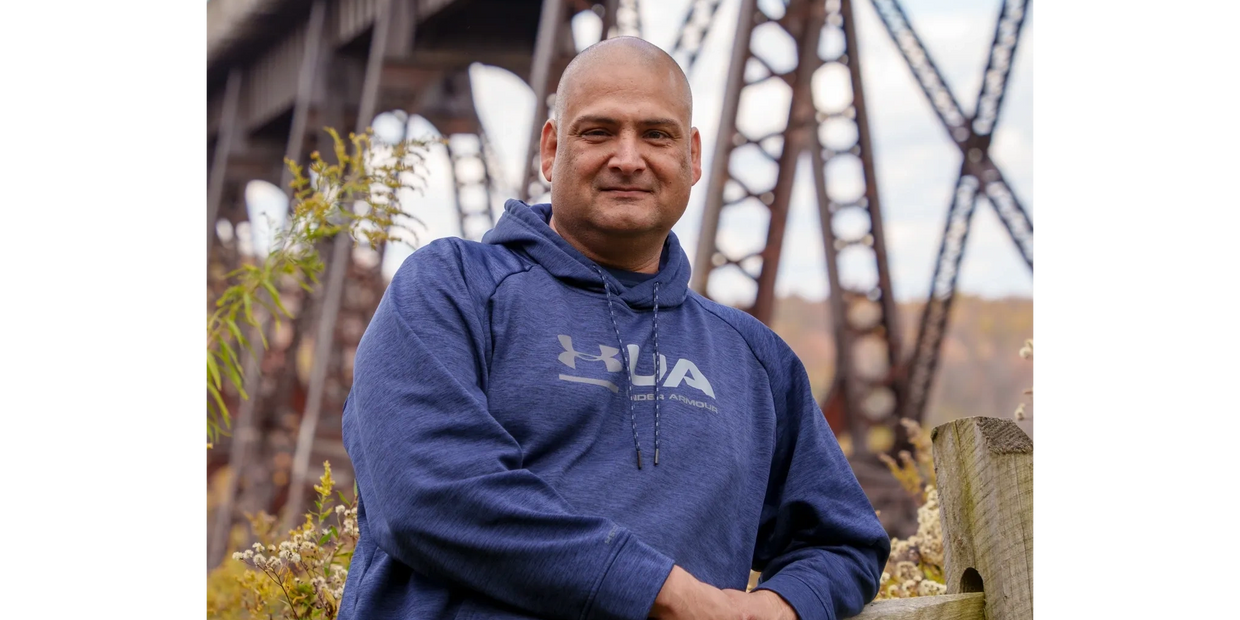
[(979, 373)]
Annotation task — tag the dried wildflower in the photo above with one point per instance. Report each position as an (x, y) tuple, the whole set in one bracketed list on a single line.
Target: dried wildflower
[(1029, 351), (919, 559), (908, 571), (1026, 352), (900, 548), (296, 577)]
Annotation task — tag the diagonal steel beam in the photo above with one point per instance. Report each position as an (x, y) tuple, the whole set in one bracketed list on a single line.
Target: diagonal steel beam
[(694, 28), (977, 172), (472, 188), (223, 148), (942, 291), (989, 101), (551, 25), (971, 134), (803, 22), (621, 18), (728, 137)]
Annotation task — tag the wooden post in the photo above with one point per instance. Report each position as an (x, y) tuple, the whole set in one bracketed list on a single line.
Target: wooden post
[(943, 607), (984, 468)]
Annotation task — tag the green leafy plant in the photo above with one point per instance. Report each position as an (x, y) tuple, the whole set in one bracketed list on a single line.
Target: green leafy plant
[(297, 577), (359, 196)]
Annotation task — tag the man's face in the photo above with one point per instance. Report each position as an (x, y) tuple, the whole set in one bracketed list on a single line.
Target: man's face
[(623, 158)]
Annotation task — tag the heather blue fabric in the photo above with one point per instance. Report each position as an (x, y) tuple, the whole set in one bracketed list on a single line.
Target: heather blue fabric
[(495, 453)]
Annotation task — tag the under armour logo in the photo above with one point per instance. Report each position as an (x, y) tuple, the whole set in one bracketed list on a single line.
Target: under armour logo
[(606, 354), (684, 371)]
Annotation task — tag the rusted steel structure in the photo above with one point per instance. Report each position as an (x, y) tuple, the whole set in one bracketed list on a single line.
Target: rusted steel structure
[(280, 70)]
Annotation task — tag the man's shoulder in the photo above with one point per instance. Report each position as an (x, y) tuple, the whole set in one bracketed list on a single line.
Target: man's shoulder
[(465, 251), (477, 264), (737, 319), (762, 340)]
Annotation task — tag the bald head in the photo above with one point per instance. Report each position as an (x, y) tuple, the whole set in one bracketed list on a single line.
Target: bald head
[(621, 152), (622, 51)]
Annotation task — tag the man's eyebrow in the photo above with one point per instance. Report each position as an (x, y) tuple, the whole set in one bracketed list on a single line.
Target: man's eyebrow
[(607, 120)]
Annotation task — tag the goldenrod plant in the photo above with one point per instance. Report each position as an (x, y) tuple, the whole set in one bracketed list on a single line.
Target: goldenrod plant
[(298, 577), (359, 196), (915, 566)]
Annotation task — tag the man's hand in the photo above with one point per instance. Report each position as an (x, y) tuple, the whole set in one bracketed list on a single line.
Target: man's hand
[(760, 605), (683, 597)]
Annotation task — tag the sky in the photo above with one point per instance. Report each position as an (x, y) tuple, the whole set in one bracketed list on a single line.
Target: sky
[(915, 162)]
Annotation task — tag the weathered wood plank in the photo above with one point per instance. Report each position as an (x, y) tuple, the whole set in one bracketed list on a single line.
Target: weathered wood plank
[(984, 468), (944, 607)]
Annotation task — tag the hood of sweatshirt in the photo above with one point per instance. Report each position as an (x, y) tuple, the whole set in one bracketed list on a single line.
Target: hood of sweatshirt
[(526, 229)]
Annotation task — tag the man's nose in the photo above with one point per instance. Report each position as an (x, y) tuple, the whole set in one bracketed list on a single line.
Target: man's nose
[(628, 157)]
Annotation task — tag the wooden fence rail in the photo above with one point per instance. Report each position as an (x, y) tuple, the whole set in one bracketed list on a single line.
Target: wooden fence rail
[(984, 468)]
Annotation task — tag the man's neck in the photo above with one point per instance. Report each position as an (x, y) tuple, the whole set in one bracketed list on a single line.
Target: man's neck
[(636, 254)]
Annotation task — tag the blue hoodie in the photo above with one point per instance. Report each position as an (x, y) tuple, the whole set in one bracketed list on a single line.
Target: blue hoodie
[(506, 462)]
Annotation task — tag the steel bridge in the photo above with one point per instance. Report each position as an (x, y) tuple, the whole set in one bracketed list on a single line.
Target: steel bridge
[(278, 71)]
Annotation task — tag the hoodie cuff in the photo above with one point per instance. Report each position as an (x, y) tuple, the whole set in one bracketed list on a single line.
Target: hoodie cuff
[(802, 598), (632, 582)]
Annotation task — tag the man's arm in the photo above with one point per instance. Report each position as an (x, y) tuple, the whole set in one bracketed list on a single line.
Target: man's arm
[(442, 484), (820, 546)]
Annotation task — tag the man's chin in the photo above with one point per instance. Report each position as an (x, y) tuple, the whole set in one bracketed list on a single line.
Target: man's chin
[(627, 226)]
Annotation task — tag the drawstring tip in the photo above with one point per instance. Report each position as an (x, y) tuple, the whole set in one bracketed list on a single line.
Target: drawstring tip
[(639, 459), (656, 456)]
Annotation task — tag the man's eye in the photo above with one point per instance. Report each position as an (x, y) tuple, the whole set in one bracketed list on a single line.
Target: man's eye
[(595, 132), (658, 135)]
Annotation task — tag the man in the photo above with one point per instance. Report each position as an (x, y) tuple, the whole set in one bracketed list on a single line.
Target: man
[(549, 424)]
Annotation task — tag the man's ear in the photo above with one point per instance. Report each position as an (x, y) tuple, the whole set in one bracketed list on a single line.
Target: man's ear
[(695, 149), (547, 145)]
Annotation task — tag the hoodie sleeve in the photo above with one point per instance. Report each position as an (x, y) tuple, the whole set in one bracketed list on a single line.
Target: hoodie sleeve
[(820, 546), (442, 484)]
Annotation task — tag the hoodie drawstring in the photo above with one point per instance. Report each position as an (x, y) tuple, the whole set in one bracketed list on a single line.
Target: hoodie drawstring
[(657, 376), (628, 394)]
